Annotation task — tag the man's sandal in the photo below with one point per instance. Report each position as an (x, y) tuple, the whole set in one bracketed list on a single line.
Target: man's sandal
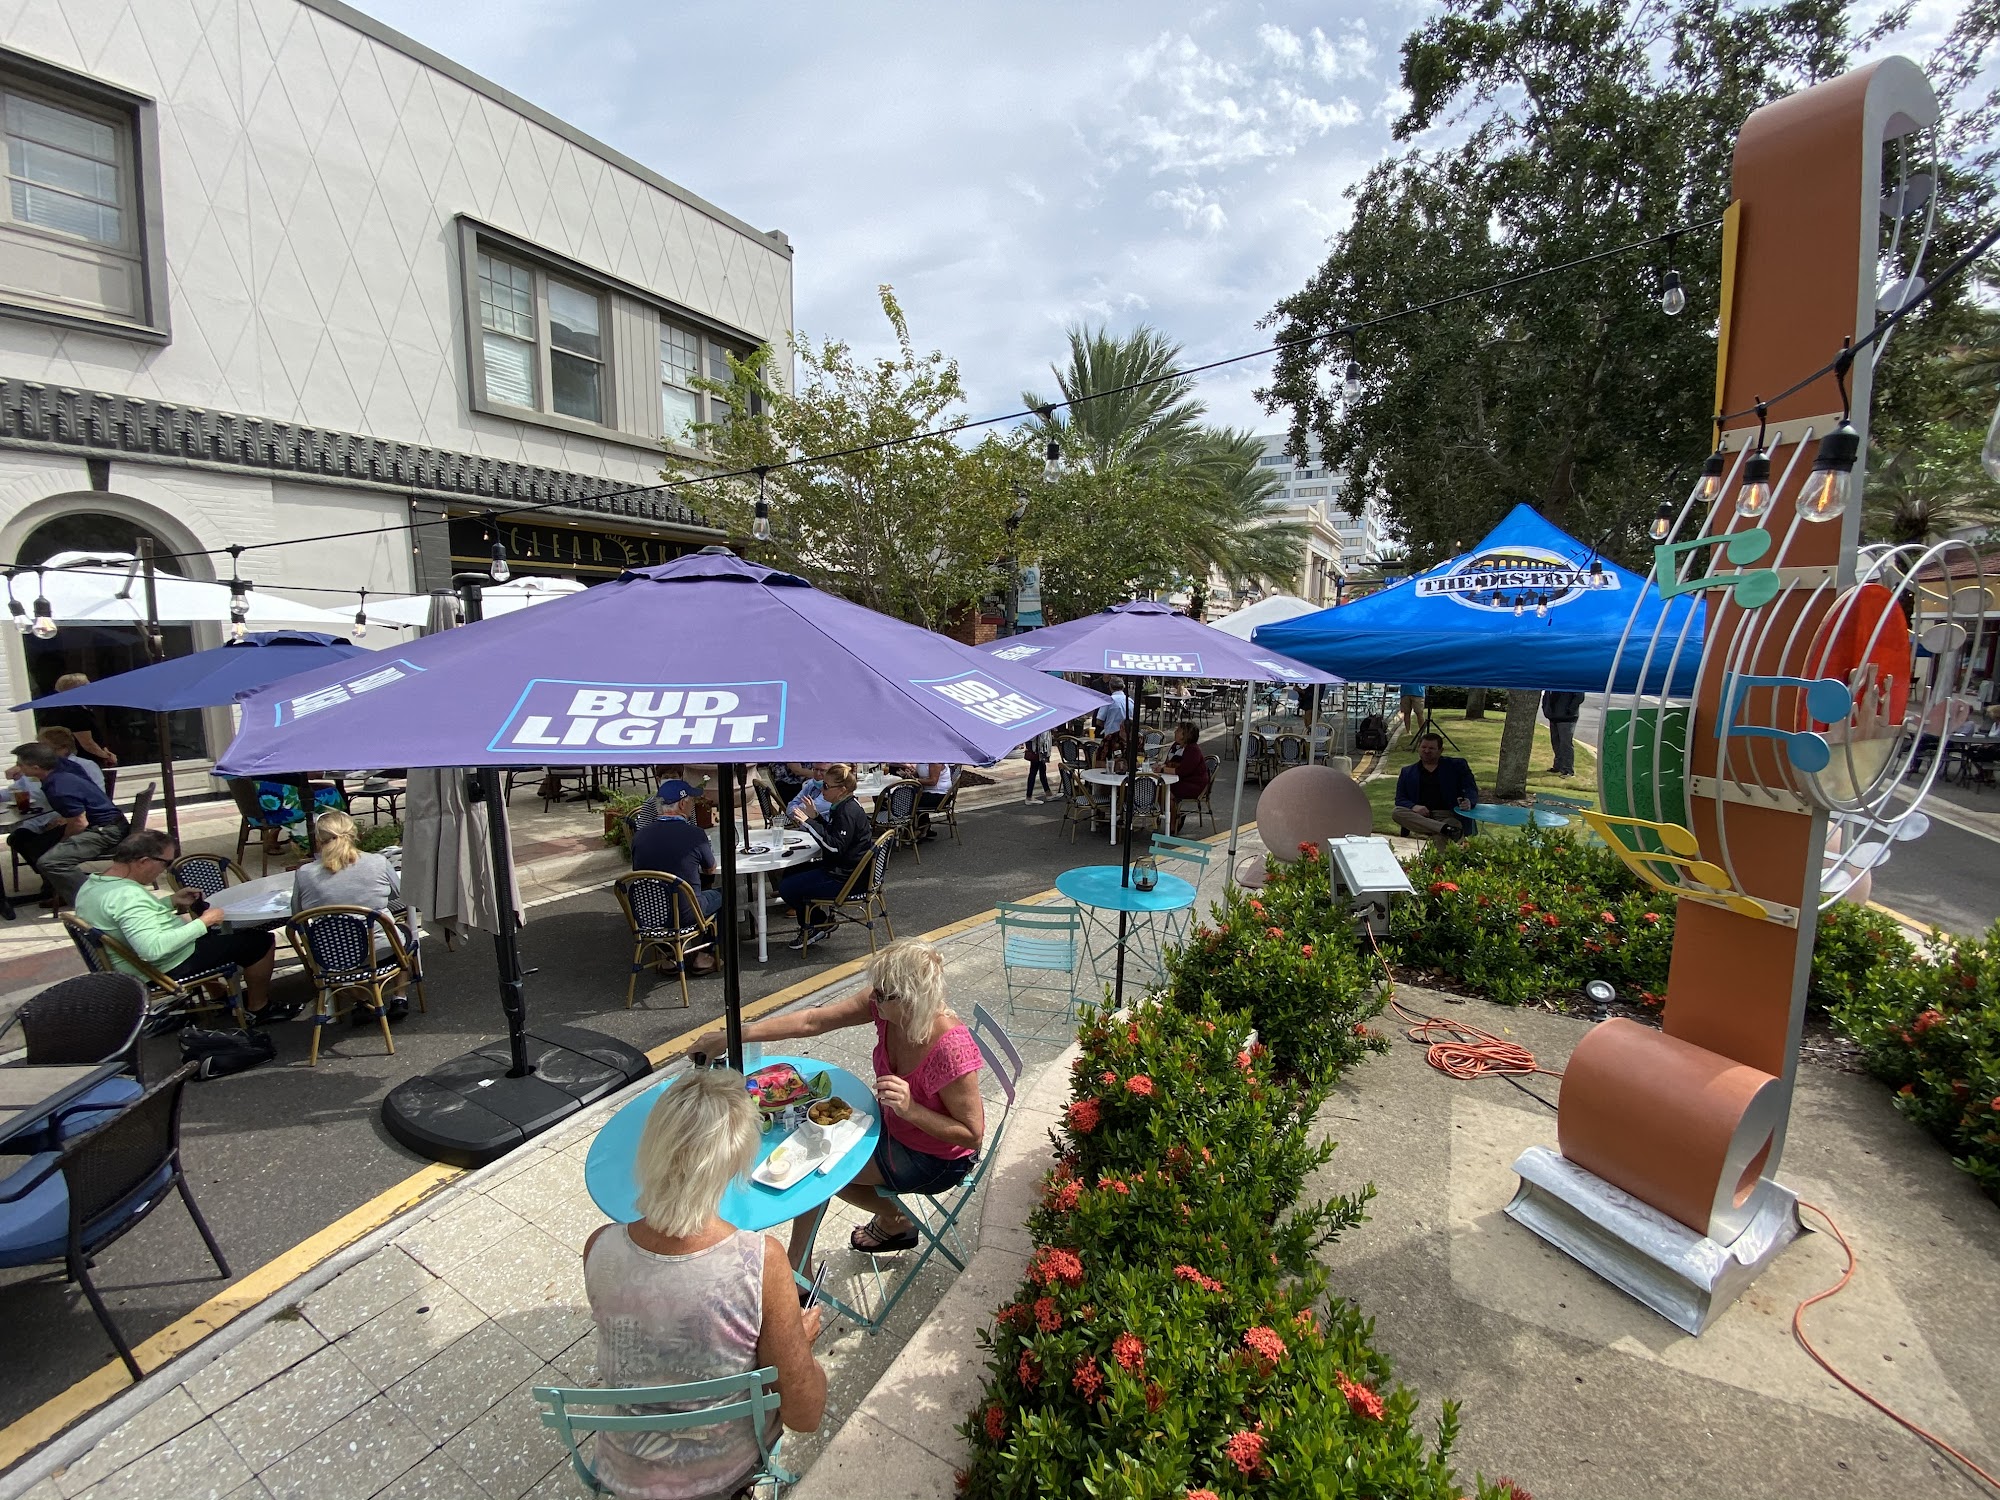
[(872, 1241)]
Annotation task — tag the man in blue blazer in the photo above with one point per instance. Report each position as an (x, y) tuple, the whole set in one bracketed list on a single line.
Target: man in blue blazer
[(1432, 789)]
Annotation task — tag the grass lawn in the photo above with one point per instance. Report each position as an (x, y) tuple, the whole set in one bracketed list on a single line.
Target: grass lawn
[(1479, 743)]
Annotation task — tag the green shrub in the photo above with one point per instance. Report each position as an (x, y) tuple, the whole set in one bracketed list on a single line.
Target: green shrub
[(1285, 957), (1931, 1030), (1171, 1338), (380, 836), (1856, 954)]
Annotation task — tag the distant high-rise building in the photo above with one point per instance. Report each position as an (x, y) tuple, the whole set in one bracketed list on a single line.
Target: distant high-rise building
[(1312, 494)]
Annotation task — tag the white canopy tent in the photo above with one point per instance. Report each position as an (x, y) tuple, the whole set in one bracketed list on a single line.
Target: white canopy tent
[(501, 599), (1264, 612)]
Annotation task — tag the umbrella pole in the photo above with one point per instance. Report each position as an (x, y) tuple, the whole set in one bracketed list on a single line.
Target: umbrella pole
[(506, 941), (1125, 852), (732, 960), (1242, 766), (156, 651)]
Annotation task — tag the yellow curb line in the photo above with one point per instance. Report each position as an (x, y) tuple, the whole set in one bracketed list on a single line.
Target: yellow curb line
[(1908, 921), (59, 1413)]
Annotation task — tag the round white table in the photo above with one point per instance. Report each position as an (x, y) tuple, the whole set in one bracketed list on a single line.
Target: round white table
[(874, 784), (767, 855), (264, 902), (1116, 781)]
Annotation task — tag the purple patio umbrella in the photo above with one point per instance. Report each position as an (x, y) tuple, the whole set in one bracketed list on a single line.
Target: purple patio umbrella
[(1148, 639), (708, 657)]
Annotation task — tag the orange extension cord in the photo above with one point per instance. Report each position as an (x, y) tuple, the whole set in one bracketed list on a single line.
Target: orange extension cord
[(1466, 1052)]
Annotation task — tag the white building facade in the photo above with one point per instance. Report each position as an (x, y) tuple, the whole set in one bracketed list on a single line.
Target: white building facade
[(270, 270), (1340, 544)]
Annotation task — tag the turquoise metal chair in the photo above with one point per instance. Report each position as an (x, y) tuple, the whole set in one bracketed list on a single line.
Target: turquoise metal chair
[(751, 1396), (936, 1218), (1187, 858), (1041, 941)]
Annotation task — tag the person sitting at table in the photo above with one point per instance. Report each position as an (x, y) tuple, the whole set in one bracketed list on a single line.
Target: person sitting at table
[(89, 822), (1186, 761), (789, 777), (342, 873), (811, 796), (926, 1080), (673, 845), (121, 902), (1431, 788), (40, 829), (682, 1295), (844, 834), (936, 779)]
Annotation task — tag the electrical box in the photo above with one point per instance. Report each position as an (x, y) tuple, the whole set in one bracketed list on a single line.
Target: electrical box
[(1367, 867)]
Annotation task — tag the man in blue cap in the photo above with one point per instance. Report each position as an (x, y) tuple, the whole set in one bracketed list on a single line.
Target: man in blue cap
[(671, 843)]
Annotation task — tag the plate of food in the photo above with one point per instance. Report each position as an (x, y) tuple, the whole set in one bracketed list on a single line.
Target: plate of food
[(789, 1161)]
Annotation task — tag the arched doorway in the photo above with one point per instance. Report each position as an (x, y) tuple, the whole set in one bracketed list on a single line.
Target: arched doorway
[(100, 651)]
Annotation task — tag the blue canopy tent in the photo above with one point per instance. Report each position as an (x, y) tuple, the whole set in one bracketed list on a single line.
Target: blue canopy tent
[(1524, 609)]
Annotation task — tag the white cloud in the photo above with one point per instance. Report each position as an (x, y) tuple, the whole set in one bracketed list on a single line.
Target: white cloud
[(1284, 45)]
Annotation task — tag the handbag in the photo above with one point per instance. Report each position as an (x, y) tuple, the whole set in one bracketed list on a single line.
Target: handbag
[(217, 1054)]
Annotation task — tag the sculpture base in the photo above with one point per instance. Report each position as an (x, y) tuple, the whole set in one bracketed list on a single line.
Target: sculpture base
[(1686, 1278)]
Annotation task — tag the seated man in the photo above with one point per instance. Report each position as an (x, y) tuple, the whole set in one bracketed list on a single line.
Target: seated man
[(674, 845), (1431, 789), (121, 902), (89, 822)]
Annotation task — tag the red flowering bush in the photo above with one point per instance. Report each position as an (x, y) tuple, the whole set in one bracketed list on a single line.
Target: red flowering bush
[(1174, 1337)]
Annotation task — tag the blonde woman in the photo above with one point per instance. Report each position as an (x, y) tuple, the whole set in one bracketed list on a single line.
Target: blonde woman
[(342, 874), (683, 1295), (926, 1080)]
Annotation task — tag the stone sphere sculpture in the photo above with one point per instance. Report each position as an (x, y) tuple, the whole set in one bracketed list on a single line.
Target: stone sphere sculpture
[(1309, 805)]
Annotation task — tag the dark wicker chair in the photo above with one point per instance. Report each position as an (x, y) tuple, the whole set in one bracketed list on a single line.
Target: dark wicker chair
[(71, 1206), (211, 874), (664, 913), (85, 1021), (212, 989), (353, 949), (896, 813)]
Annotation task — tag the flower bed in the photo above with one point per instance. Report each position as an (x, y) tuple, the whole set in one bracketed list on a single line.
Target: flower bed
[(1285, 957), (1172, 1337)]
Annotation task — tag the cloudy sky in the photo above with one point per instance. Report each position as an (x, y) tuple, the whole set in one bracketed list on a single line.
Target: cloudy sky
[(1012, 169)]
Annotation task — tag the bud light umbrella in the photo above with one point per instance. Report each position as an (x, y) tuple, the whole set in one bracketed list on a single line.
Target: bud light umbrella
[(1149, 639), (205, 679), (708, 657)]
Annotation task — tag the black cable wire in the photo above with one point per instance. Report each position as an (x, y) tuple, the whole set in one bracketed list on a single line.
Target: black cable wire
[(1332, 335)]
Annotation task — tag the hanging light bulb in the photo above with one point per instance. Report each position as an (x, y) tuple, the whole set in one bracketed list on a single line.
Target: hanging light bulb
[(19, 611), (361, 618), (1596, 568), (44, 628), (1663, 522), (1350, 383), (1711, 474), (760, 525), (1672, 297), (239, 611), (1824, 497), (1541, 606), (1052, 461), (1519, 604), (1755, 496), (500, 572)]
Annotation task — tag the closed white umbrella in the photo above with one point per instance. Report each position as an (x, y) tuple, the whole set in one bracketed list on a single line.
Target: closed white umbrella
[(1264, 612)]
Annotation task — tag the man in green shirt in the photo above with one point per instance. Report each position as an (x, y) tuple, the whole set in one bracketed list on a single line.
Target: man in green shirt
[(121, 902)]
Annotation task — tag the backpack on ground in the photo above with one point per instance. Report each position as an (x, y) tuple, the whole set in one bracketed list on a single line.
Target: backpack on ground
[(1371, 734), (217, 1054)]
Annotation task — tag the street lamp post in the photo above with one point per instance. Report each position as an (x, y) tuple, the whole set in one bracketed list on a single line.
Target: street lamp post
[(1013, 524)]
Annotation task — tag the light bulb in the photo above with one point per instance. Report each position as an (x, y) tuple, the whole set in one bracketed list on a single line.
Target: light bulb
[(237, 630), (499, 572), (1541, 606), (1711, 474), (1824, 497), (1518, 605), (360, 626), (44, 628), (1755, 496), (19, 612), (1052, 462), (760, 525), (1672, 298), (1350, 383), (1663, 522)]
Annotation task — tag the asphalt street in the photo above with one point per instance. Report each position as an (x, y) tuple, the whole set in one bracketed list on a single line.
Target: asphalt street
[(280, 1152)]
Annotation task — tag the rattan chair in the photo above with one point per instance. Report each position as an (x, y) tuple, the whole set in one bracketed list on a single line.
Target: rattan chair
[(1078, 804), (896, 813), (860, 901), (71, 1206), (349, 950), (770, 804), (211, 874), (211, 989), (947, 809), (86, 1021), (1291, 750), (664, 913), (1149, 803)]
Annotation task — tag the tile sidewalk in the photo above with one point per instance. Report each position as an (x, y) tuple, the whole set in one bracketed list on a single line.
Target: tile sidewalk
[(401, 1368)]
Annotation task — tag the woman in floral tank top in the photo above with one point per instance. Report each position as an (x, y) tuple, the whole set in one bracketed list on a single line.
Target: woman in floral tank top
[(926, 1080)]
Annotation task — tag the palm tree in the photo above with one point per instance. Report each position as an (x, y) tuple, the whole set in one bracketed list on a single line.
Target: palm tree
[(1929, 494)]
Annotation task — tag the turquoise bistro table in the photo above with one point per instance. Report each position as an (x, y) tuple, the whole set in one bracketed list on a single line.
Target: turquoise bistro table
[(1097, 889)]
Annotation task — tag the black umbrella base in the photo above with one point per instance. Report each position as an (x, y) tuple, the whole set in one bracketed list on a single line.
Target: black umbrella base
[(469, 1112)]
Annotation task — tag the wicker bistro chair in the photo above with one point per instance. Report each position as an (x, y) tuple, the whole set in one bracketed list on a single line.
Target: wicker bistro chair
[(873, 1297), (1038, 945), (1291, 750), (665, 916), (89, 1020), (1204, 805), (646, 812), (348, 950), (1078, 804), (751, 1397), (947, 809), (212, 989), (1149, 803), (1071, 751), (211, 874), (770, 804), (70, 1206), (861, 900), (896, 812)]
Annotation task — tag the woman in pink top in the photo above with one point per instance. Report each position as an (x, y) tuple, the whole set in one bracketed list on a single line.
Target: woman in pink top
[(926, 1080)]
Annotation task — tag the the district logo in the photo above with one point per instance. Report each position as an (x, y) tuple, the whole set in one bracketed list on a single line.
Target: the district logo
[(1495, 577)]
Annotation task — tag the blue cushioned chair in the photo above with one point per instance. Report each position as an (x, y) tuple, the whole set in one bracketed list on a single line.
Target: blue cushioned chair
[(70, 1205), (86, 1021)]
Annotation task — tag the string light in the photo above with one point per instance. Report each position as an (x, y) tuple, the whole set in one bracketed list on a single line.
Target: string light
[(239, 602), (1672, 298), (760, 525), (361, 618), (1052, 456), (1350, 383), (1754, 498), (1520, 604), (16, 608), (1541, 606), (1711, 474), (1663, 522), (1825, 495), (500, 572), (44, 628)]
